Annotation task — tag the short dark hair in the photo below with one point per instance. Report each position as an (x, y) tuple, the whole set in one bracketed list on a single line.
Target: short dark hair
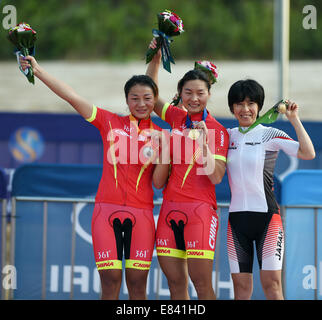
[(143, 80), (246, 89), (194, 74)]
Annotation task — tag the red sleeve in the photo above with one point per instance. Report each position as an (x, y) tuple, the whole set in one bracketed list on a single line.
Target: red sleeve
[(222, 143), (99, 117), (171, 113)]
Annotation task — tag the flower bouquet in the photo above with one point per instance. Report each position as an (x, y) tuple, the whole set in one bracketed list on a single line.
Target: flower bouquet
[(23, 38), (169, 25), (209, 68)]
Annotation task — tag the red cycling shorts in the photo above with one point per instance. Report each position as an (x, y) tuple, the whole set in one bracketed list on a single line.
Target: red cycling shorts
[(117, 228), (187, 230)]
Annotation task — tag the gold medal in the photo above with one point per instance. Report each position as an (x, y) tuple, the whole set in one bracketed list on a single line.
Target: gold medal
[(281, 108), (194, 134)]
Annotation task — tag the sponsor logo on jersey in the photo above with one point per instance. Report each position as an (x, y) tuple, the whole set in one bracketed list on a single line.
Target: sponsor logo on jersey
[(213, 232), (222, 138), (279, 243), (141, 265), (106, 264), (252, 143), (195, 253), (166, 251), (121, 132), (127, 128)]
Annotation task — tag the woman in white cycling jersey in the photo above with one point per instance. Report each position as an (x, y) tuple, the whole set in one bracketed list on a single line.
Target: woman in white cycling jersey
[(254, 213)]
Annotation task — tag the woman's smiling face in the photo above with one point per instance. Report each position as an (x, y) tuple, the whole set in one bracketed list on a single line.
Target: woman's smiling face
[(245, 112), (195, 95), (141, 101)]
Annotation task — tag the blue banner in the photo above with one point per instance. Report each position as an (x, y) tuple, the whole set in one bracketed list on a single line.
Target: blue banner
[(68, 138), (3, 185), (303, 236), (53, 180)]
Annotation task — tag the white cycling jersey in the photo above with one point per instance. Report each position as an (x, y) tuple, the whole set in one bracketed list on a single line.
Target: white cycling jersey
[(250, 167)]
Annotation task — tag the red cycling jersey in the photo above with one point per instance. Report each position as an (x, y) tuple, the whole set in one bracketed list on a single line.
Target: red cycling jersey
[(188, 182), (127, 171), (188, 223), (123, 217)]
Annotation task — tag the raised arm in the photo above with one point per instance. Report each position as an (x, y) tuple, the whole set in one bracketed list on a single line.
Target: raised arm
[(153, 72), (306, 149), (64, 91)]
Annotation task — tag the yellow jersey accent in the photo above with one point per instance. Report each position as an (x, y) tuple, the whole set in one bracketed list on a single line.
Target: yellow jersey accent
[(164, 110), (200, 254), (137, 264), (109, 264), (113, 153), (170, 252), (192, 162), (93, 116), (218, 157)]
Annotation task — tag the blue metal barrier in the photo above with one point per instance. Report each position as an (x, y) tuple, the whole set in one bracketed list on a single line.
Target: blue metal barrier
[(52, 209), (302, 202), (3, 224), (52, 238)]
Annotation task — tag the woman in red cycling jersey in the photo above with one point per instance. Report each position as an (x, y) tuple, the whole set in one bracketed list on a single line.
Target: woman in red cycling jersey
[(188, 223), (122, 217)]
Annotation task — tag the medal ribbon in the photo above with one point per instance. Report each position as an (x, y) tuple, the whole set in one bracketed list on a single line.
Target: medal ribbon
[(197, 153), (135, 123), (113, 153), (190, 124)]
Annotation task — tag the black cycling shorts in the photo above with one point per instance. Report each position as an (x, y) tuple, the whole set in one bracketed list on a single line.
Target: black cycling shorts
[(266, 230)]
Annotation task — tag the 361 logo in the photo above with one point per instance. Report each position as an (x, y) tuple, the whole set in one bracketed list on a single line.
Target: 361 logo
[(10, 16)]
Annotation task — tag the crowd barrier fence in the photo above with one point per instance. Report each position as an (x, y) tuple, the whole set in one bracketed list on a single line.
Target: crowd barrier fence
[(302, 266), (294, 270), (3, 227), (51, 240), (29, 278)]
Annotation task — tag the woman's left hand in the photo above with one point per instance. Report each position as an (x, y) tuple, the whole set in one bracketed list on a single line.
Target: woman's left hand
[(292, 110), (202, 126)]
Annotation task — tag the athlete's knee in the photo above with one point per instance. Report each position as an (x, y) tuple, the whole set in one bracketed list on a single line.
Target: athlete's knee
[(136, 283), (272, 288), (178, 287), (110, 278), (179, 283), (202, 285), (243, 291), (243, 287), (176, 272), (111, 281), (202, 281), (137, 290)]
